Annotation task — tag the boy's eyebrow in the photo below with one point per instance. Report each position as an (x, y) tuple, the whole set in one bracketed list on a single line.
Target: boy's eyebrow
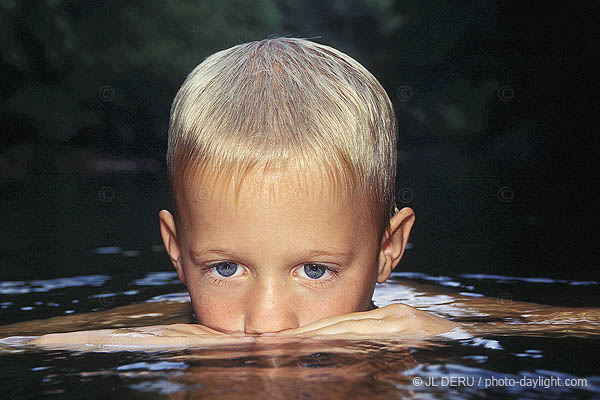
[(307, 254), (337, 253)]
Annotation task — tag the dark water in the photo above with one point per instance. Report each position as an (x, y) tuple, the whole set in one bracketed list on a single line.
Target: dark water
[(505, 354), (86, 250)]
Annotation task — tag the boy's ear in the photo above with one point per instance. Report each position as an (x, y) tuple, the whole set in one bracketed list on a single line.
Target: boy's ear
[(394, 244), (168, 232)]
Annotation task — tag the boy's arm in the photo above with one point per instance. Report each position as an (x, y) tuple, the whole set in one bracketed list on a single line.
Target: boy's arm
[(391, 320), (160, 335), (132, 315)]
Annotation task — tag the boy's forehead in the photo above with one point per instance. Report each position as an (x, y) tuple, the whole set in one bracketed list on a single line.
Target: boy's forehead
[(274, 199), (269, 189)]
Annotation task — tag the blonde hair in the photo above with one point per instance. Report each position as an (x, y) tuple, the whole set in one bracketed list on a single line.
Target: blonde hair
[(286, 104)]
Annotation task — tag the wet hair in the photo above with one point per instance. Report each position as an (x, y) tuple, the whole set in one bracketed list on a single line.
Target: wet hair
[(286, 106)]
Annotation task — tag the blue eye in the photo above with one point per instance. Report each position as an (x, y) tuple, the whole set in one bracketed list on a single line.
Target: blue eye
[(314, 271), (226, 269), (225, 272)]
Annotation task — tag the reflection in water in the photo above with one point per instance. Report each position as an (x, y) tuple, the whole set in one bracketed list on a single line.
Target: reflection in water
[(500, 337), (308, 369)]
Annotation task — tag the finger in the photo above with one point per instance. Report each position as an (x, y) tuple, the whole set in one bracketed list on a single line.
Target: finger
[(363, 327), (221, 340), (393, 311), (194, 329), (174, 341), (359, 315)]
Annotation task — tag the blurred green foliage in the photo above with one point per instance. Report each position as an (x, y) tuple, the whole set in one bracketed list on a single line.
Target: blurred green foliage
[(490, 96), (101, 75), (104, 73)]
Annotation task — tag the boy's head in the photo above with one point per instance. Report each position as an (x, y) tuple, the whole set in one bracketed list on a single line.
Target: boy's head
[(282, 164)]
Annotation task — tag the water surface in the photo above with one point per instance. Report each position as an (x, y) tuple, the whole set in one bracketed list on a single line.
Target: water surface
[(80, 252), (504, 345)]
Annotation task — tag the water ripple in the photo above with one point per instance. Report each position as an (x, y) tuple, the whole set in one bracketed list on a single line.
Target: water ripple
[(502, 278), (20, 287)]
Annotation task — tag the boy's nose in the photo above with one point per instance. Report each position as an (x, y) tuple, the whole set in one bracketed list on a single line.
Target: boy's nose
[(269, 311), (272, 323)]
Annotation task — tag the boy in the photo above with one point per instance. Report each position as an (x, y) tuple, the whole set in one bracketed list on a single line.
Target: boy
[(282, 166)]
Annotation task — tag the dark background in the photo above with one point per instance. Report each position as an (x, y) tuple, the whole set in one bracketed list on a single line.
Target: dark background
[(496, 102)]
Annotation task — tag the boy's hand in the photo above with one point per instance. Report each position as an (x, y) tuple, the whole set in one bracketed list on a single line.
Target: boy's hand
[(160, 335), (392, 320)]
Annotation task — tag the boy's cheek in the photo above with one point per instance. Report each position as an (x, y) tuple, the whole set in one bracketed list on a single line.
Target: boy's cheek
[(219, 314), (222, 319), (223, 313), (228, 313)]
